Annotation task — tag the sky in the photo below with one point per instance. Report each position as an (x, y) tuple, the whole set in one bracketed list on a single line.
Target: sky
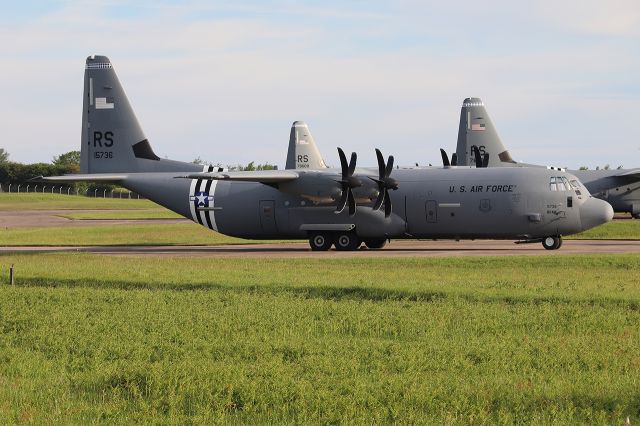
[(224, 80)]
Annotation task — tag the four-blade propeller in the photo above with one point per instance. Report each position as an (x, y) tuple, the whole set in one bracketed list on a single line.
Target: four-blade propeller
[(445, 158), (349, 182), (481, 160), (385, 183)]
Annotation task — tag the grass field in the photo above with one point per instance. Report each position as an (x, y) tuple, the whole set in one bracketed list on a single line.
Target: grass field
[(36, 201), (88, 338), (127, 234)]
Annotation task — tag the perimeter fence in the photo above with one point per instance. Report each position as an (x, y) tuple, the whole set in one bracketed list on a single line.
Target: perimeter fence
[(68, 190)]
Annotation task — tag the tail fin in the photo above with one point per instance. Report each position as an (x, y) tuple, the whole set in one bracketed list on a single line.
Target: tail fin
[(303, 152), (112, 139), (476, 129)]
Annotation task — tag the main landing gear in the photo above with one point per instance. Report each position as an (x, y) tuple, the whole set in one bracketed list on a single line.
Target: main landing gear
[(552, 243), (344, 241)]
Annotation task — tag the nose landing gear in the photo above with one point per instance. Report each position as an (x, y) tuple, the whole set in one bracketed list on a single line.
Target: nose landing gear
[(552, 243)]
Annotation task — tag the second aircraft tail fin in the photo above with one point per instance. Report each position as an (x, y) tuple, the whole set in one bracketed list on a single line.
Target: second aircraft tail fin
[(477, 129), (303, 152)]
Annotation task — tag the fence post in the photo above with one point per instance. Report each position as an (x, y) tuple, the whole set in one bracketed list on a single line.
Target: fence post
[(9, 188), (19, 188), (11, 280), (68, 190), (104, 194), (43, 188), (52, 188)]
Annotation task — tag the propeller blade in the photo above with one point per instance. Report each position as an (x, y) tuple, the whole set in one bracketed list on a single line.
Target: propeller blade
[(352, 202), (485, 160), (454, 159), (445, 158), (380, 163), (477, 156), (387, 204), (352, 163), (380, 199), (389, 168), (343, 201), (343, 163)]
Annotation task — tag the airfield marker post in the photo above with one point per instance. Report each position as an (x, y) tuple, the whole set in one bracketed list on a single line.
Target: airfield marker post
[(11, 274)]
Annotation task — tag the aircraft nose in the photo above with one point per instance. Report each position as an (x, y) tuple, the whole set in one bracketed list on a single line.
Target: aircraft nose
[(594, 212)]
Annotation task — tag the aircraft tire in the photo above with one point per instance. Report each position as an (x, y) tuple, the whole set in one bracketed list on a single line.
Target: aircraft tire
[(375, 244), (347, 241), (320, 241), (552, 243)]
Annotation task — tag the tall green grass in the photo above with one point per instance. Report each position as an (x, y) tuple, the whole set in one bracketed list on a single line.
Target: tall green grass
[(88, 338)]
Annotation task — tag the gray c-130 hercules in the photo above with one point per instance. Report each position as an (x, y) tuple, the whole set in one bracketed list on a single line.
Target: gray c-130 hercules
[(342, 207), (476, 133)]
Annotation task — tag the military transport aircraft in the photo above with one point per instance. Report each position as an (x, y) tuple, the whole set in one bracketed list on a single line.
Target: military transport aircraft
[(342, 207), (476, 133)]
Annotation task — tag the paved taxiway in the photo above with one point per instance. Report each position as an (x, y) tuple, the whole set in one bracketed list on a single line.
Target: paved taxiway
[(398, 248)]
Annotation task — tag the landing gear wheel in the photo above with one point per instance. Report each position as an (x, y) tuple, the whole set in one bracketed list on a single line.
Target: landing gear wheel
[(320, 241), (347, 241), (552, 243), (375, 244)]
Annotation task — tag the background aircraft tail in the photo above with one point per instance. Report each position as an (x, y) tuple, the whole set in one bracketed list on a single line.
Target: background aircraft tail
[(477, 129), (112, 139), (303, 152)]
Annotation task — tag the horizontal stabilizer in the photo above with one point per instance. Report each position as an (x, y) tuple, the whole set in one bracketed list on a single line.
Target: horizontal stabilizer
[(261, 176), (93, 177)]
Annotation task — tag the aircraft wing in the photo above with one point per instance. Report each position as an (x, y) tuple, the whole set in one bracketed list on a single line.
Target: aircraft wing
[(93, 177), (261, 176), (633, 174)]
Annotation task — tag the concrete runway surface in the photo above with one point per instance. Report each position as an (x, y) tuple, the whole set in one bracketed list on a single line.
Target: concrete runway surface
[(401, 248), (397, 248)]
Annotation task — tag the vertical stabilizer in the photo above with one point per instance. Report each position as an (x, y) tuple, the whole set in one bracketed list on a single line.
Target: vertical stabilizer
[(476, 129), (303, 152), (112, 139)]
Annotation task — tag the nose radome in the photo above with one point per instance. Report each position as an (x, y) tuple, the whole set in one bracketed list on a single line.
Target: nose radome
[(595, 212)]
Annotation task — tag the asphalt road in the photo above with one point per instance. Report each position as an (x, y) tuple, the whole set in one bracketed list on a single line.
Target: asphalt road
[(408, 248), (403, 248)]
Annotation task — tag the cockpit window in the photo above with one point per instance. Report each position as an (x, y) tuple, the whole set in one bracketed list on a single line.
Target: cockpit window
[(559, 183), (575, 184)]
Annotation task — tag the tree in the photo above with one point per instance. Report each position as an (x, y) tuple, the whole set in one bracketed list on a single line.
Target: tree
[(583, 168), (68, 159), (4, 156)]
